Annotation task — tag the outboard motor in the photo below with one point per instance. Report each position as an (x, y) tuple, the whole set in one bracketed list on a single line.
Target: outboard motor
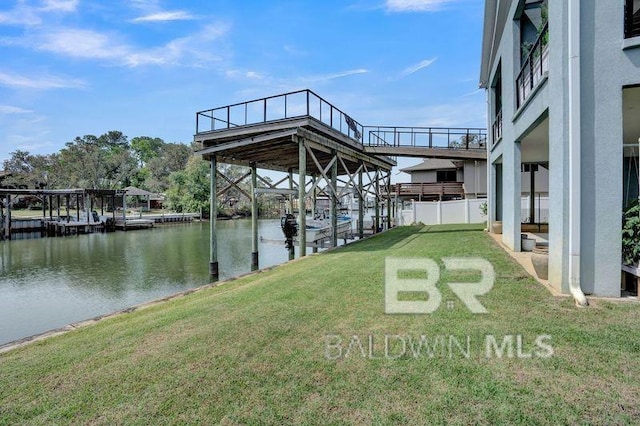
[(289, 229)]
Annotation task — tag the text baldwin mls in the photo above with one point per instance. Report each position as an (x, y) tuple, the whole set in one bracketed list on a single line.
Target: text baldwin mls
[(400, 346)]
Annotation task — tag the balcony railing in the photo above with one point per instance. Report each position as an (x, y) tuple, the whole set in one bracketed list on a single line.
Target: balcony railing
[(496, 128), (631, 19), (426, 189), (303, 103), (426, 137), (534, 67)]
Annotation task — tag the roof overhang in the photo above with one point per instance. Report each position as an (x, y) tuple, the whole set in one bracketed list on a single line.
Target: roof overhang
[(495, 18)]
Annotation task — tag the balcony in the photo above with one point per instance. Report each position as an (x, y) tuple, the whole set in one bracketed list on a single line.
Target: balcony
[(631, 18), (272, 109), (429, 191), (534, 67), (496, 128)]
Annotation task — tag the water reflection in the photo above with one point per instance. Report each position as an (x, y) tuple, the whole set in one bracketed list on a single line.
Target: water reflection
[(50, 282)]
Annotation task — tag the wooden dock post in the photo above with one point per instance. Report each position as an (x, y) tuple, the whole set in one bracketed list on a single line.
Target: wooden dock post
[(291, 188), (361, 201), (213, 203), (254, 218), (376, 222), (302, 176), (314, 196), (68, 201), (7, 219), (388, 191), (334, 200)]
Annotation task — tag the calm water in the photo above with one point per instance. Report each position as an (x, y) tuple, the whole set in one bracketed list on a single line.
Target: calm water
[(50, 282)]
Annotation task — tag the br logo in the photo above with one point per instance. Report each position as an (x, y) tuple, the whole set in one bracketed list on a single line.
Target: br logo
[(467, 292)]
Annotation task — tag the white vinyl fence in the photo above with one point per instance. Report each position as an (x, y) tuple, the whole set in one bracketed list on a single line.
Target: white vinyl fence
[(464, 211), (541, 209), (442, 212)]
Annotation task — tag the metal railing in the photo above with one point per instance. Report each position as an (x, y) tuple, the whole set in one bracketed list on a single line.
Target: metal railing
[(299, 104), (631, 19), (496, 128), (426, 137), (533, 67)]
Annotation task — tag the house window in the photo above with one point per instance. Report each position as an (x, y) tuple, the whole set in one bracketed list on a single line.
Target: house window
[(631, 18), (496, 126), (534, 37), (446, 176)]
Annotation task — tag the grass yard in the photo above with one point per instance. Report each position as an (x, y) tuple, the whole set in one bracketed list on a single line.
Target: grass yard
[(278, 347)]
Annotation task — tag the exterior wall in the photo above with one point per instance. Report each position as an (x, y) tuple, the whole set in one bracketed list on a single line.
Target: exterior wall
[(605, 68), (426, 176), (475, 178), (507, 151)]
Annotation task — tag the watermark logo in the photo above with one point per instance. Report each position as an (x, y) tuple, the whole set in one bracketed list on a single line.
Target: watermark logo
[(467, 292), (405, 346)]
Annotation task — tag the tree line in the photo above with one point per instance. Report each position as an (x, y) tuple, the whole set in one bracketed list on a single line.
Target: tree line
[(112, 161)]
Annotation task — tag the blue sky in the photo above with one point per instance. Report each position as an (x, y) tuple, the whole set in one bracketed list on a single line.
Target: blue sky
[(144, 67)]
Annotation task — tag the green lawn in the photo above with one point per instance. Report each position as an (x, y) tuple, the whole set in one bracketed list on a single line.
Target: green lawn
[(259, 350)]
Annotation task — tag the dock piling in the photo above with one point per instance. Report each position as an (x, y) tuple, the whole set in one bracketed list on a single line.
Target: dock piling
[(302, 194), (213, 253), (361, 201), (254, 218), (334, 201)]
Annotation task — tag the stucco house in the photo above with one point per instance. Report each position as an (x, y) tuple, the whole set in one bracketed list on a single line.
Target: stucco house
[(563, 85)]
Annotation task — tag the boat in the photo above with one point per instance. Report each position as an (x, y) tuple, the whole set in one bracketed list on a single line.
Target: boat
[(319, 229)]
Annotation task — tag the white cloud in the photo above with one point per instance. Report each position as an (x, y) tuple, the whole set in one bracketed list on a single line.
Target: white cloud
[(59, 5), (192, 50), (25, 14), (417, 67), (79, 43), (164, 16), (292, 50), (254, 75), (335, 75), (475, 92), (174, 52), (46, 82), (9, 109), (416, 5)]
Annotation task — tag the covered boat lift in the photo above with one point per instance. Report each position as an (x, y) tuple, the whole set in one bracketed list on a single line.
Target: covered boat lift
[(296, 133)]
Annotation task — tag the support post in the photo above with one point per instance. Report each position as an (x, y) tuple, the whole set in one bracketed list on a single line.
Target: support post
[(291, 188), (361, 201), (314, 199), (334, 202), (532, 194), (254, 218), (77, 208), (7, 218), (68, 201), (213, 204), (302, 176), (388, 185), (50, 207), (58, 205), (376, 222), (124, 211)]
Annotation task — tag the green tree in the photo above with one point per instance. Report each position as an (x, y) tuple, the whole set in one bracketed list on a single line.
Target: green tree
[(146, 148), (30, 171), (189, 188), (103, 162), (173, 157)]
